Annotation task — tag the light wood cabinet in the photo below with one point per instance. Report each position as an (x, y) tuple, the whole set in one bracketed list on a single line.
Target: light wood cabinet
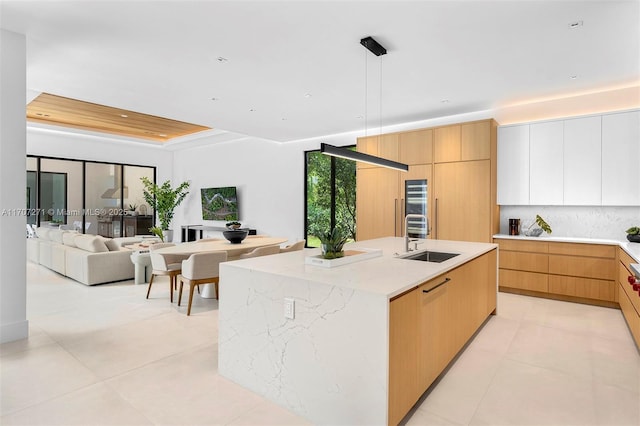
[(415, 147), (463, 142), (462, 205), (571, 271), (430, 324), (377, 203), (628, 298), (385, 146), (620, 159), (464, 184), (404, 336)]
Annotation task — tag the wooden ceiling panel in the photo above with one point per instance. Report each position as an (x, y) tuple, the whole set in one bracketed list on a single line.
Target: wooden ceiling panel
[(66, 112)]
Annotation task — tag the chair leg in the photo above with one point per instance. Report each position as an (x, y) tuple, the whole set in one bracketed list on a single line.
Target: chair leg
[(215, 284), (190, 298), (180, 293), (171, 287), (198, 288), (149, 288)]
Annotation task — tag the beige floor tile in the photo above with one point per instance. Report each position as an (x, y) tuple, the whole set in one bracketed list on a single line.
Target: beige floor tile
[(185, 389), (95, 404), (616, 363), (36, 375), (522, 394), (615, 406), (269, 414), (457, 395), (36, 338), (552, 348), (120, 349), (513, 306), (496, 335), (425, 417)]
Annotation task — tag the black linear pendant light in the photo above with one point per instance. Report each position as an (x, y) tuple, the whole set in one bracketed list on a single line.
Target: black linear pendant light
[(378, 50)]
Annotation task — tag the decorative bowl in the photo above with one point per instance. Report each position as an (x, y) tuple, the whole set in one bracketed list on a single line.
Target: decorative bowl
[(235, 236), (535, 232), (633, 238)]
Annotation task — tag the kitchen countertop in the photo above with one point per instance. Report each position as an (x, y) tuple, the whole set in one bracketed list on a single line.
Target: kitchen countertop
[(386, 275), (632, 249)]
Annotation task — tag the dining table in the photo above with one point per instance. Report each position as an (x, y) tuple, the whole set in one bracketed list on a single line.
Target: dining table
[(182, 251)]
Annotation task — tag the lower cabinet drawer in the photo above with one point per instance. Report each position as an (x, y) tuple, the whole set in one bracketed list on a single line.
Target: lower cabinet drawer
[(532, 262), (583, 287), (631, 315), (577, 266), (523, 280)]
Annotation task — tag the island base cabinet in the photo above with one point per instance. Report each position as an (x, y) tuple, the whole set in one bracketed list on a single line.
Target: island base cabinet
[(429, 325), (403, 355)]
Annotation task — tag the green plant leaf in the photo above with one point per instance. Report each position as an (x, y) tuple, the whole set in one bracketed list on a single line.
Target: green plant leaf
[(634, 230), (164, 199), (542, 224)]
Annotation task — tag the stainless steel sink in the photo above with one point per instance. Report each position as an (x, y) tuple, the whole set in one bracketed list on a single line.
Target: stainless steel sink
[(432, 256)]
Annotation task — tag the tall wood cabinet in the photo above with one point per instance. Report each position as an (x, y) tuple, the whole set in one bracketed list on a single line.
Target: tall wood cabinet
[(380, 191), (459, 163)]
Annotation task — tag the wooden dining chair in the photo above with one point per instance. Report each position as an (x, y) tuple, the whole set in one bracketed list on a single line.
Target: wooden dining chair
[(201, 268), (261, 251), (293, 247)]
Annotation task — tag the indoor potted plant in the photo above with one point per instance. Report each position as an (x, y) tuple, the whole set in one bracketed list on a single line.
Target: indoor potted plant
[(633, 234), (332, 243), (542, 225), (164, 199)]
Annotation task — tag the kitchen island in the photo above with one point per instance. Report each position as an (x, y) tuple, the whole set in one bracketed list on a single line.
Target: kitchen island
[(366, 339)]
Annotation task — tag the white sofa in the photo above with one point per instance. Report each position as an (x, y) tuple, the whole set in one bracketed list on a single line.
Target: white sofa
[(88, 259)]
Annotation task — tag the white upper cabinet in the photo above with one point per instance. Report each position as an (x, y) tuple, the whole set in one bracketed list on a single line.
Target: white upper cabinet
[(582, 161), (621, 159), (546, 156), (513, 165)]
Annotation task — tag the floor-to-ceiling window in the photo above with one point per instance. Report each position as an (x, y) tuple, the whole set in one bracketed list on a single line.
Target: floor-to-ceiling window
[(330, 189), (89, 196)]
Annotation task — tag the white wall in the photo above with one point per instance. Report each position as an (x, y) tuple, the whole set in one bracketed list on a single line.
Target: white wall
[(269, 178), (13, 289)]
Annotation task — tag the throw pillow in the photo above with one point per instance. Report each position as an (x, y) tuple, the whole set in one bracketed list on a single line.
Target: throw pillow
[(55, 235), (91, 243), (42, 232), (69, 238)]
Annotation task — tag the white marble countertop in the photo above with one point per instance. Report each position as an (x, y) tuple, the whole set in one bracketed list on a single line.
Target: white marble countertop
[(387, 275), (632, 249)]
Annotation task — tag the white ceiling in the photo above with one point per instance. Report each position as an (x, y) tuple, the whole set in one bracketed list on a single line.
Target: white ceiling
[(161, 58)]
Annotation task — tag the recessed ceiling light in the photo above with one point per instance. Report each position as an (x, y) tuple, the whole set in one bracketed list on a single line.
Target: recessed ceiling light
[(162, 135), (251, 110), (575, 25), (445, 101), (359, 117), (284, 118), (573, 77), (222, 59), (308, 95), (124, 115), (215, 99)]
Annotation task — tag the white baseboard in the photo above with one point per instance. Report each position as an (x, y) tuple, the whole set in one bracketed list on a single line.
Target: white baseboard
[(14, 331)]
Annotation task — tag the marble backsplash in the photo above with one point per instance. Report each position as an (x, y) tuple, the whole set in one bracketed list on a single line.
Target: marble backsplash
[(575, 221)]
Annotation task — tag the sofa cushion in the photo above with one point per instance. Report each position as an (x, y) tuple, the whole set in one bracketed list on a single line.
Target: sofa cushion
[(91, 243), (111, 244), (42, 232), (69, 238), (55, 235)]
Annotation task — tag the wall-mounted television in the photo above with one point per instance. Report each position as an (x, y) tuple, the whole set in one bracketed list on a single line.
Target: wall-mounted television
[(219, 203)]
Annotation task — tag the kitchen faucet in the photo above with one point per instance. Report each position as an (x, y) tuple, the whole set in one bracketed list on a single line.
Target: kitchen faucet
[(406, 233)]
